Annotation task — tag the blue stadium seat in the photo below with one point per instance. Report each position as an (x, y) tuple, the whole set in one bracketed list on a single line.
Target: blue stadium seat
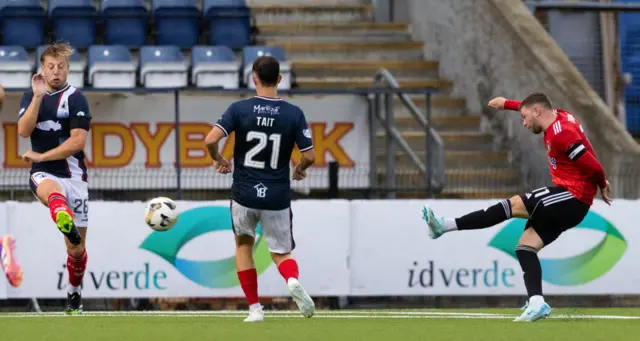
[(125, 22), (15, 68), (73, 21), (162, 67), (111, 67), (22, 23), (229, 22), (251, 53), (176, 22), (214, 66), (76, 67)]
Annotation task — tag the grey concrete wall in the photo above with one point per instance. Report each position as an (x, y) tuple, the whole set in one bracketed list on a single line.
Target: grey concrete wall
[(497, 48)]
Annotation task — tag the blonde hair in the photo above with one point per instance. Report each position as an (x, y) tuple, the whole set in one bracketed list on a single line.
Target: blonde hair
[(57, 50)]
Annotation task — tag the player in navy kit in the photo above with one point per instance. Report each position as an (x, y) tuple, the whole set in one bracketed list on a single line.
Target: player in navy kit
[(56, 117), (266, 129)]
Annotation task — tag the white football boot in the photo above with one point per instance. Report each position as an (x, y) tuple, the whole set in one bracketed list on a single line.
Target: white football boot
[(255, 315), (300, 296)]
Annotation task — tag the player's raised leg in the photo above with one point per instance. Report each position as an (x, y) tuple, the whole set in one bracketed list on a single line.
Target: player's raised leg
[(76, 266), (51, 194), (277, 228), (10, 265), (490, 216), (527, 251), (245, 221)]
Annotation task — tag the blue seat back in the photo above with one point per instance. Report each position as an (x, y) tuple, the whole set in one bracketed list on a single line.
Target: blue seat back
[(22, 23), (121, 4), (251, 53), (20, 3), (13, 53), (173, 4), (108, 54), (70, 7), (203, 54), (125, 22), (229, 22), (163, 54)]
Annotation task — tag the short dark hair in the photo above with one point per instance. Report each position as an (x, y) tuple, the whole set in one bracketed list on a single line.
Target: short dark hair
[(268, 69), (536, 98)]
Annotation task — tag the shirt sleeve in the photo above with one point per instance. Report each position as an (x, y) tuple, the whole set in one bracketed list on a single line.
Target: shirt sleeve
[(79, 113), (25, 101), (303, 134), (570, 143), (226, 121)]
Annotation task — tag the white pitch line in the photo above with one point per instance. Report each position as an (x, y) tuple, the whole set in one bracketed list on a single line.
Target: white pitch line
[(320, 314)]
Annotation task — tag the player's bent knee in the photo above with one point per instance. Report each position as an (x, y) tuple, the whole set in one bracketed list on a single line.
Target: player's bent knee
[(518, 209), (531, 238), (280, 257), (45, 188)]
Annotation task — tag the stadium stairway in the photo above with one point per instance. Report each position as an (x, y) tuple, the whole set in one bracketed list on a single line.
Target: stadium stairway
[(340, 46)]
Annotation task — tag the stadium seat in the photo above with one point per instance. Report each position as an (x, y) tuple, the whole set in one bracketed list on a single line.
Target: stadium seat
[(22, 23), (214, 66), (76, 68), (15, 68), (125, 22), (229, 22), (162, 67), (251, 53), (73, 21), (111, 67), (176, 22)]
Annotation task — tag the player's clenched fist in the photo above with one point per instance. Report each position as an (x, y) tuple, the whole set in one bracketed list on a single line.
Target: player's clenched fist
[(497, 102), (222, 166), (38, 85)]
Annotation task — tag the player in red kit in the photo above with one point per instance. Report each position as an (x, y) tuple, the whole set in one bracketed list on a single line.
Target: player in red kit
[(576, 175)]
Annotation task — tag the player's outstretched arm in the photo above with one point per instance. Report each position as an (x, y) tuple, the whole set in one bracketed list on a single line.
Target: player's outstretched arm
[(503, 103)]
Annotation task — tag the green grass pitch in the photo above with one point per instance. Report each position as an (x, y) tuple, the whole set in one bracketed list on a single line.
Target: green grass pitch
[(370, 325)]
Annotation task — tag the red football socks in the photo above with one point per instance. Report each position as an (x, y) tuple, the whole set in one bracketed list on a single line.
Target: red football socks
[(76, 267), (57, 203), (288, 269), (249, 283)]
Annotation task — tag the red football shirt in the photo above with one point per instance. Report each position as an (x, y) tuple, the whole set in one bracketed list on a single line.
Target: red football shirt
[(565, 142)]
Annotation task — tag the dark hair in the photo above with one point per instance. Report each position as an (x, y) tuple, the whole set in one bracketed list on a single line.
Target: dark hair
[(268, 69), (536, 98)]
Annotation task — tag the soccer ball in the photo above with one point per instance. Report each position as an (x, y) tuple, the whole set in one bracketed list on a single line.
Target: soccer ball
[(161, 214)]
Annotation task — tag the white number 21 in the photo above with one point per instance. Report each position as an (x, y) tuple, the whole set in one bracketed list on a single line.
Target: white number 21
[(262, 144)]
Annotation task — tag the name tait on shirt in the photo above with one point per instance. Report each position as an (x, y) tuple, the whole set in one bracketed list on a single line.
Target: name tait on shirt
[(265, 121)]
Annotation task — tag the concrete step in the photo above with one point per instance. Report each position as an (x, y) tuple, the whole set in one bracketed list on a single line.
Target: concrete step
[(440, 105), (440, 123), (279, 13), (330, 32), (476, 141), (411, 50), (464, 159), (368, 82), (364, 68), (457, 178)]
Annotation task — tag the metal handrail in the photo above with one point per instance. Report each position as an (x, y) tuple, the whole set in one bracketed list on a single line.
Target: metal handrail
[(434, 144)]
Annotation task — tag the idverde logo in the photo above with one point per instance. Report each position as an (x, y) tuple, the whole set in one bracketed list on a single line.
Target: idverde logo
[(578, 269), (193, 223)]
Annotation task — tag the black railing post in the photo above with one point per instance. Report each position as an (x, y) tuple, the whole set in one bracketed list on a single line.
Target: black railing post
[(334, 170), (428, 174), (176, 95)]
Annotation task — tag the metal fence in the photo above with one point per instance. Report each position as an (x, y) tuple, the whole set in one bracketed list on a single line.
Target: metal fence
[(601, 40)]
